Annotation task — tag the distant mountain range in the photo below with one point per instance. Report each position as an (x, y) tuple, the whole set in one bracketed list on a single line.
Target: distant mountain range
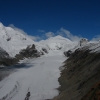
[(80, 78), (13, 41)]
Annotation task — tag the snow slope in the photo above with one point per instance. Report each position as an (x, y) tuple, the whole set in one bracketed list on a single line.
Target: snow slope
[(85, 44), (39, 76), (58, 43), (12, 40), (41, 79)]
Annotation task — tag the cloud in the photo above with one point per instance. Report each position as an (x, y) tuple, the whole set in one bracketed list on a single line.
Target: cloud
[(64, 32), (35, 38), (96, 38), (49, 34), (42, 31), (17, 29)]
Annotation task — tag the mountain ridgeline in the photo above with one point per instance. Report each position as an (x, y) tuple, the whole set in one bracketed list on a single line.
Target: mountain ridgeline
[(16, 45), (80, 74), (80, 77)]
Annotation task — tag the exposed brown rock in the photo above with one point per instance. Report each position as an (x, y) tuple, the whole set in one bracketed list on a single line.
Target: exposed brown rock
[(81, 72), (94, 93)]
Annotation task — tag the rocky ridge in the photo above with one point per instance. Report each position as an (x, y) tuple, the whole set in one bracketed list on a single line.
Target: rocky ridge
[(80, 77)]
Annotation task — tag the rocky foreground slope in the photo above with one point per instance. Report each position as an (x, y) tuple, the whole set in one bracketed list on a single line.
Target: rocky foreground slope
[(80, 77)]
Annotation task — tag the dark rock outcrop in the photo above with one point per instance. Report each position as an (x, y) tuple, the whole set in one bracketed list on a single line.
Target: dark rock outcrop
[(8, 61), (81, 72), (68, 53), (43, 49), (28, 52), (83, 42), (3, 53), (94, 93), (5, 59)]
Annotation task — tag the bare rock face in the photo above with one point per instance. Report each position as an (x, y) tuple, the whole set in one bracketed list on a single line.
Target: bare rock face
[(94, 93), (68, 53), (43, 49), (30, 51), (5, 59), (83, 42), (3, 53), (80, 79)]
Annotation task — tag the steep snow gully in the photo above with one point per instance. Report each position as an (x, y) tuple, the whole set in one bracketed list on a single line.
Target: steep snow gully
[(40, 79)]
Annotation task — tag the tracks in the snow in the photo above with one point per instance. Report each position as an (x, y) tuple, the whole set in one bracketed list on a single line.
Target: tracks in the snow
[(12, 93)]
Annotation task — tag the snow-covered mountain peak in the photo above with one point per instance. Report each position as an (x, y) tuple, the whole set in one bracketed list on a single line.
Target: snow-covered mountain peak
[(13, 40), (83, 41), (58, 38), (58, 43)]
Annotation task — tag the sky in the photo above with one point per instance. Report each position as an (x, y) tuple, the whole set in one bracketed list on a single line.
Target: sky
[(46, 18)]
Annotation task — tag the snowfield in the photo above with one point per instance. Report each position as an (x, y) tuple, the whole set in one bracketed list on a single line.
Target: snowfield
[(12, 41), (40, 78)]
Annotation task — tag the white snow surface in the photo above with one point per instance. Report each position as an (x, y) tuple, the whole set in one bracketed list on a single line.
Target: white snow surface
[(93, 46), (40, 75), (58, 43), (40, 79), (12, 41)]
